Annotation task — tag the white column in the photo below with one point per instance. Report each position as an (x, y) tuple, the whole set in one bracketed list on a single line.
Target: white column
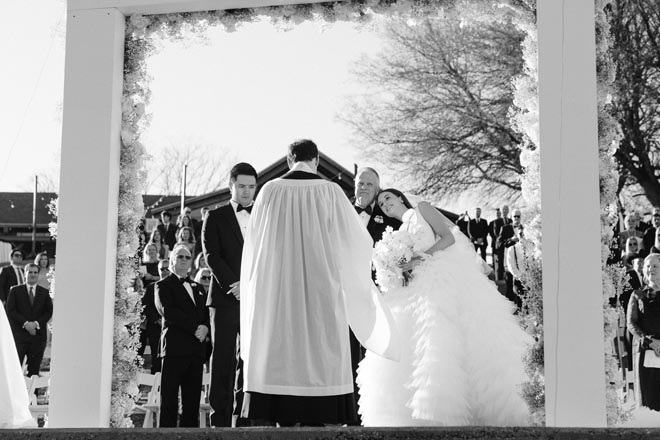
[(81, 368), (572, 288)]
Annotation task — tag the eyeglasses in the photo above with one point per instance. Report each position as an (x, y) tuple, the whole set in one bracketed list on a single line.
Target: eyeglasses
[(516, 216), (205, 278), (187, 257), (163, 269)]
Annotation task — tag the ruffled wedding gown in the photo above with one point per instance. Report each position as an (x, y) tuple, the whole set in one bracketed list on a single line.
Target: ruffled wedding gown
[(462, 347), (14, 402)]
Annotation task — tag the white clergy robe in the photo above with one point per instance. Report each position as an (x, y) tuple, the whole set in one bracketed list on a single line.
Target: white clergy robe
[(305, 276)]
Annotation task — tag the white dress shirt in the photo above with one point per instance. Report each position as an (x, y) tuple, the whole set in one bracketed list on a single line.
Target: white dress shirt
[(243, 217)]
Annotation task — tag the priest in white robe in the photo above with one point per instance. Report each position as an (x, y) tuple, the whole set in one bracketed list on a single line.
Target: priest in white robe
[(305, 277)]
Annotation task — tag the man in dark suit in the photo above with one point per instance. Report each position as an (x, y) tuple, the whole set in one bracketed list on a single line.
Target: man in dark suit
[(222, 241), (153, 318), (182, 304), (29, 308), (11, 275), (491, 233), (167, 229), (478, 233), (649, 234), (498, 252), (367, 186)]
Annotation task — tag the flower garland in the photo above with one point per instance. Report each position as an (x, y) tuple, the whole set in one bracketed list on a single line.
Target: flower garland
[(614, 277), (524, 117)]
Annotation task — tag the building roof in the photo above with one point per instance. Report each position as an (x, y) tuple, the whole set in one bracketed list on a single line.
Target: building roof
[(16, 208), (328, 169)]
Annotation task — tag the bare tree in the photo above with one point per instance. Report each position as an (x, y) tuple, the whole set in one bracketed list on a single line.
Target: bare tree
[(635, 28), (439, 113), (208, 168)]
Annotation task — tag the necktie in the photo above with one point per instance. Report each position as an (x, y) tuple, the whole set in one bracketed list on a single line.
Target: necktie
[(31, 291), (240, 208), (19, 275), (360, 209)]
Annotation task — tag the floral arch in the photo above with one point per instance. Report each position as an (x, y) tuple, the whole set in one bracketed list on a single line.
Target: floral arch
[(97, 123)]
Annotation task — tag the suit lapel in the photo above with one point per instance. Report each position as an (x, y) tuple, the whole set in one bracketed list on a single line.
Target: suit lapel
[(230, 218), (182, 290)]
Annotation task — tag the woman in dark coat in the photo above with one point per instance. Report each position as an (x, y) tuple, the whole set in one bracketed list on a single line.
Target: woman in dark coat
[(644, 324)]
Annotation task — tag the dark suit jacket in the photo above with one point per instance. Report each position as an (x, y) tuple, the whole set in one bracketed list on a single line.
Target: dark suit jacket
[(168, 234), (498, 224), (222, 242), (7, 281), (378, 222), (649, 238), (181, 317), (19, 310), (478, 229), (149, 302)]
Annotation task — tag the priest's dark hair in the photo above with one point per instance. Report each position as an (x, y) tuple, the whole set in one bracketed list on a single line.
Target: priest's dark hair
[(242, 169), (397, 193), (302, 150)]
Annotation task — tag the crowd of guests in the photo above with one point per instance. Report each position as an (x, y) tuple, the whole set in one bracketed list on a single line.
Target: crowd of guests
[(636, 247), (503, 233)]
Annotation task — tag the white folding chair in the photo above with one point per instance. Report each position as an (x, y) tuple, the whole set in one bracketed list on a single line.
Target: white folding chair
[(39, 405), (149, 405), (204, 405)]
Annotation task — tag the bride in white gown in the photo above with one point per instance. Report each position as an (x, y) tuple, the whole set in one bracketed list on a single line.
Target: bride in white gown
[(462, 347), (14, 402)]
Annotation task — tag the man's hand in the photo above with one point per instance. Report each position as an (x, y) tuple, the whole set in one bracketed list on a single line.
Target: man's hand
[(235, 289), (31, 328), (655, 346), (201, 332)]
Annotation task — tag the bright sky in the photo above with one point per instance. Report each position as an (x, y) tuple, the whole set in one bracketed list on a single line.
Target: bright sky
[(31, 80), (250, 93), (254, 91)]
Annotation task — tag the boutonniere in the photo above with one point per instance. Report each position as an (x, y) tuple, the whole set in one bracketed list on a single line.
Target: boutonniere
[(193, 284), (378, 219)]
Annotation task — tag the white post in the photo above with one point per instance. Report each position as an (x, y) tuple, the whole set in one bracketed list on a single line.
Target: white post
[(572, 286), (87, 220)]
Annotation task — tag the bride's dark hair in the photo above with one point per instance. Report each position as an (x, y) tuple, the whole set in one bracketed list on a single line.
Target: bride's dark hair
[(397, 193)]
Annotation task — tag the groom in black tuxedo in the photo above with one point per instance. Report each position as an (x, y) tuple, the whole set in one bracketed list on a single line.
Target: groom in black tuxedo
[(222, 242), (182, 304), (367, 186)]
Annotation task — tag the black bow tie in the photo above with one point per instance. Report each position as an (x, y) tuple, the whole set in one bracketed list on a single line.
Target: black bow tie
[(240, 208), (186, 280), (360, 210)]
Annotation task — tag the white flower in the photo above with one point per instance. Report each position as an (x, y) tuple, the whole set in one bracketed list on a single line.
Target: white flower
[(395, 247)]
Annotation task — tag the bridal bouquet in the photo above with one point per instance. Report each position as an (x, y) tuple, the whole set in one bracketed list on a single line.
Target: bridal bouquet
[(395, 248)]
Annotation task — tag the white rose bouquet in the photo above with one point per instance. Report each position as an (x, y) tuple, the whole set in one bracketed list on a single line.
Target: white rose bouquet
[(394, 249)]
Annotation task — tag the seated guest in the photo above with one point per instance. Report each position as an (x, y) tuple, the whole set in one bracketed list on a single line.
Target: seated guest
[(186, 237), (632, 250), (149, 264), (161, 247), (630, 223), (649, 234), (43, 262), (199, 263), (203, 277), (184, 220), (644, 324), (655, 249)]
